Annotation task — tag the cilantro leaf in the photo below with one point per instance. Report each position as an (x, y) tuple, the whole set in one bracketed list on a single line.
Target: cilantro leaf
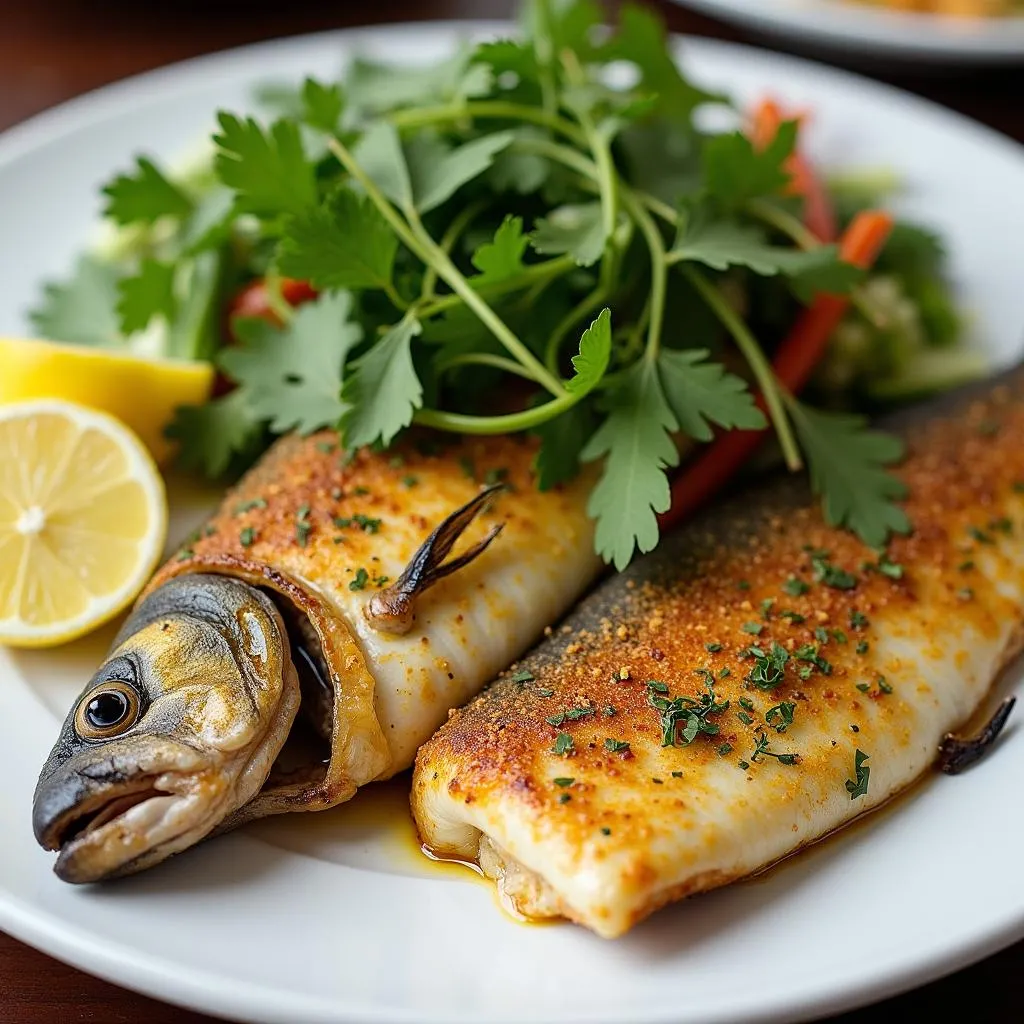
[(267, 169), (292, 377), (595, 351), (380, 154), (503, 257), (147, 294), (322, 105), (846, 464), (374, 87), (573, 228), (344, 243), (144, 196), (211, 434), (641, 40), (561, 441), (515, 170), (438, 171), (698, 391), (636, 438), (82, 309), (507, 56), (382, 390), (735, 171), (721, 243)]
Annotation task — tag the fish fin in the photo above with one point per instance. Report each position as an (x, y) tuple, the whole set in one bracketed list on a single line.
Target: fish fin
[(391, 610)]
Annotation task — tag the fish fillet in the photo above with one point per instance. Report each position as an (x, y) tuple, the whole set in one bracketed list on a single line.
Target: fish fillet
[(557, 779)]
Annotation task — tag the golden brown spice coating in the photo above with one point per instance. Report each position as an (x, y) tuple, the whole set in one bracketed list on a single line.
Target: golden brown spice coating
[(560, 764), (326, 530)]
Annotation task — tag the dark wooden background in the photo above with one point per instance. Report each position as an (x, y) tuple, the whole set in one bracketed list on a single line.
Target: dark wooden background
[(51, 50)]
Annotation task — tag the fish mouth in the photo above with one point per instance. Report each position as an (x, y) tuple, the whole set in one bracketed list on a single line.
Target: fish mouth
[(101, 810)]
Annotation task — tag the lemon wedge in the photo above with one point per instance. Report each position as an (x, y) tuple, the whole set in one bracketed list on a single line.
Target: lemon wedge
[(83, 519), (141, 392)]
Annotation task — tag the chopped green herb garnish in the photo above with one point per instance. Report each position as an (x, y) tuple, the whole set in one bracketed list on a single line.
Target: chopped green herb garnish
[(724, 672), (745, 718), (766, 607), (883, 685), (889, 568), (858, 786), (575, 714), (563, 781), (248, 506), (410, 480), (677, 775), (839, 636), (863, 687), (724, 749), (543, 691), (657, 686), (556, 720), (608, 711), (468, 468), (657, 781), (795, 618), (605, 831), (745, 765), (795, 587), (396, 462), (965, 594), (563, 743), (743, 585), (858, 620), (185, 554), (302, 532), (769, 669), (495, 476), (1002, 525), (1018, 486), (713, 648), (564, 798), (522, 676), (616, 746), (327, 447), (683, 718), (247, 537), (362, 577), (831, 575), (361, 492), (762, 749), (746, 702), (784, 713), (966, 566), (980, 535), (303, 512), (821, 635), (752, 627), (862, 647)]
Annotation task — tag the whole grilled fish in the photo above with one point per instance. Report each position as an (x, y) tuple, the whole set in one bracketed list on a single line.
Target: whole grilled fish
[(758, 681), (306, 642)]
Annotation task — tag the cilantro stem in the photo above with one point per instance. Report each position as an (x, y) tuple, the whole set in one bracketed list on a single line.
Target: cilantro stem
[(279, 306), (459, 224), (657, 207), (659, 271), (510, 423), (411, 231), (598, 144), (544, 48), (485, 109), (484, 359), (535, 273), (759, 365), (782, 220), (453, 277)]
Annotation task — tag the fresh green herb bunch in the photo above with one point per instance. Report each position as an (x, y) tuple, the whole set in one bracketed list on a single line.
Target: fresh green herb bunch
[(536, 224)]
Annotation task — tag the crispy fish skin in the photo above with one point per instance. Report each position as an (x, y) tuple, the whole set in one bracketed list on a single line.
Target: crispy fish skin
[(326, 532), (641, 827)]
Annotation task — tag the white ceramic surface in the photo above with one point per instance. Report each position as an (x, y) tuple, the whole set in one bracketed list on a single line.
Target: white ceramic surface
[(333, 920), (842, 25)]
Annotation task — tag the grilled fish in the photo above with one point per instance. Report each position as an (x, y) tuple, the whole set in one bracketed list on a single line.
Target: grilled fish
[(306, 642), (757, 682)]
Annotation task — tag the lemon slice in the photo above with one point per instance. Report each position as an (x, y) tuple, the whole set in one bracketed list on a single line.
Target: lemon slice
[(141, 392), (83, 519)]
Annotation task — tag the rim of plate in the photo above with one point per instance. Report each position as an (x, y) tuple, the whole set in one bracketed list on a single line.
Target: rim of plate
[(203, 990), (845, 24)]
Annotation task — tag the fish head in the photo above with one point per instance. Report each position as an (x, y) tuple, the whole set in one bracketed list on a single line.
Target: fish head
[(178, 729)]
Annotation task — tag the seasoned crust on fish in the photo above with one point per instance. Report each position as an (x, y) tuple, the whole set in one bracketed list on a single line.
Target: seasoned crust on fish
[(325, 532), (912, 647)]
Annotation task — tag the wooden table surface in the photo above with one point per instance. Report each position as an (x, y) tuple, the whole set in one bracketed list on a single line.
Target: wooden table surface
[(51, 50)]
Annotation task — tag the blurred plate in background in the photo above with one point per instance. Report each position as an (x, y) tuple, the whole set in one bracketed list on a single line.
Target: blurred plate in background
[(876, 31)]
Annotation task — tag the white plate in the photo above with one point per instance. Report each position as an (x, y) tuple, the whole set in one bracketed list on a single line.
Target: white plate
[(329, 918), (876, 31)]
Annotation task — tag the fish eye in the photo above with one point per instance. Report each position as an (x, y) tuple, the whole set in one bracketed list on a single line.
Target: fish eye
[(107, 711)]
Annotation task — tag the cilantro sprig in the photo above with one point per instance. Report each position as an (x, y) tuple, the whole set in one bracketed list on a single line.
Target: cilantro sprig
[(506, 222)]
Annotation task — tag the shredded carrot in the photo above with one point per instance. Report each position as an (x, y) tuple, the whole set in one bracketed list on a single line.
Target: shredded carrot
[(794, 362)]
